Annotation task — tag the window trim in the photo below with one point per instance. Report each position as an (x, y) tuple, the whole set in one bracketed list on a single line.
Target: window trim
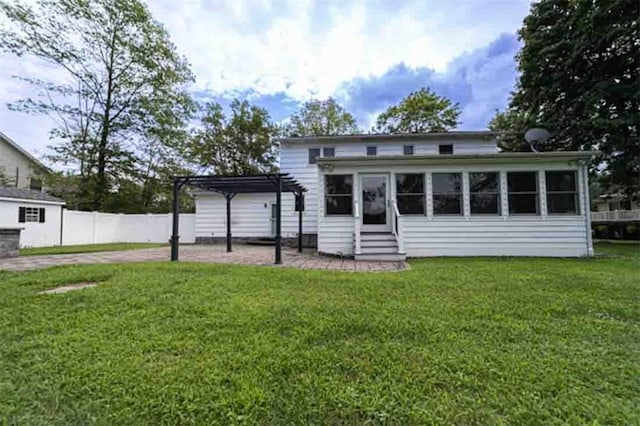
[(412, 149), (375, 150), (445, 153), (327, 195), (538, 212), (313, 160), (460, 194), (423, 194), (575, 192), (498, 193), (29, 214), (324, 151)]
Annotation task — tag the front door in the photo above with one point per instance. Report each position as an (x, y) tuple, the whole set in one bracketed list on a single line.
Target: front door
[(374, 201)]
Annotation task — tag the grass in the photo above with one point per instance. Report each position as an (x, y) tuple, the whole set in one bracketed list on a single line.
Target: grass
[(455, 341), (87, 248)]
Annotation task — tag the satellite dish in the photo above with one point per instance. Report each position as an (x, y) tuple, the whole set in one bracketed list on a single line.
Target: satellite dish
[(535, 137)]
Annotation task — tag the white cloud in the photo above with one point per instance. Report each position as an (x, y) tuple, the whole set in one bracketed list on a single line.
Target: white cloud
[(301, 48)]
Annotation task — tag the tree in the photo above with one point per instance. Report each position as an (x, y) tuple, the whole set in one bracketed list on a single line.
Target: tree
[(579, 68), (118, 70), (321, 118), (513, 124), (240, 144), (420, 112)]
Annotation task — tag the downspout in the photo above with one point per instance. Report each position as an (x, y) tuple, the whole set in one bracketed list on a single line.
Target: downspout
[(587, 210), (62, 222)]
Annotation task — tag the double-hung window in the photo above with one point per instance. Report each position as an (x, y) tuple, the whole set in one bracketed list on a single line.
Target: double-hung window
[(523, 192), (31, 214), (410, 193), (447, 193), (484, 192), (338, 194), (562, 192)]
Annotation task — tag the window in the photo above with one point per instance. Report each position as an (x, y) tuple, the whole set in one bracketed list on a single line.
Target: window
[(562, 192), (407, 150), (447, 193), (372, 150), (410, 193), (328, 152), (35, 184), (339, 194), (313, 154), (484, 191), (523, 192), (445, 149), (31, 214)]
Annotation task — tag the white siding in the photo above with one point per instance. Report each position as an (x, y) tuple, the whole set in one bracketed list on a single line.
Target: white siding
[(34, 234), (14, 164), (467, 235)]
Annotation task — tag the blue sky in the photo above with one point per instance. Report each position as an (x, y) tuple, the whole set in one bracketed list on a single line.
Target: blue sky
[(366, 54)]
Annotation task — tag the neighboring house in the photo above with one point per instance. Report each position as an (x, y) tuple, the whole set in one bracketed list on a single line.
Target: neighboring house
[(613, 202), (438, 194), (18, 168), (38, 213)]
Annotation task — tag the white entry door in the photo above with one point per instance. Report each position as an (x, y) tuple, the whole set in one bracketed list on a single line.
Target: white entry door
[(374, 202)]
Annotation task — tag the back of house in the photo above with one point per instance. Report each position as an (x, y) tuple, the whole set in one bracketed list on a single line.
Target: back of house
[(386, 197)]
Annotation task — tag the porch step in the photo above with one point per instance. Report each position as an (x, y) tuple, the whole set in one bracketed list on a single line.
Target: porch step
[(382, 257), (379, 246)]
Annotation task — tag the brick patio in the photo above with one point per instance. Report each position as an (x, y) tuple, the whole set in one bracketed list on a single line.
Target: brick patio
[(242, 254)]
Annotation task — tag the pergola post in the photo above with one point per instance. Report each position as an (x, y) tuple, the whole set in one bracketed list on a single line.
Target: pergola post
[(300, 223), (176, 220), (229, 197), (278, 219)]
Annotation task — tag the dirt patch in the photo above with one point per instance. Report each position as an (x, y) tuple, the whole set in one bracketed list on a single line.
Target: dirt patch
[(70, 287)]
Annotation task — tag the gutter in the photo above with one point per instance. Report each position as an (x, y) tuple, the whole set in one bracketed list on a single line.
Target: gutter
[(29, 200)]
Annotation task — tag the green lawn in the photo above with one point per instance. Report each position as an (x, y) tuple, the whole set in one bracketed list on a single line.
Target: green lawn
[(451, 341), (87, 248)]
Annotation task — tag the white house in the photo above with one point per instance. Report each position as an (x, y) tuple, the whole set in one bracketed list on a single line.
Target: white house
[(37, 213), (438, 194), (18, 168)]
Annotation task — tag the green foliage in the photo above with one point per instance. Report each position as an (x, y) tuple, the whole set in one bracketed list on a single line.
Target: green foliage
[(122, 93), (450, 341), (86, 248), (579, 69), (321, 118), (420, 112), (242, 143), (513, 124)]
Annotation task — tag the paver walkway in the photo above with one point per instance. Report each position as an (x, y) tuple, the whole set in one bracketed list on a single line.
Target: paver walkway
[(242, 254)]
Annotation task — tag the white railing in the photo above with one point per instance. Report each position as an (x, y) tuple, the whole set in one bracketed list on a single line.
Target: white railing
[(616, 215), (397, 225), (356, 227)]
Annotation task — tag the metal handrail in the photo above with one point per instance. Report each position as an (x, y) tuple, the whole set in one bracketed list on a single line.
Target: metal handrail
[(397, 226), (356, 227)]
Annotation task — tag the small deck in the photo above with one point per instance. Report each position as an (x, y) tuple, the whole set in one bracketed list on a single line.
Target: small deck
[(616, 216)]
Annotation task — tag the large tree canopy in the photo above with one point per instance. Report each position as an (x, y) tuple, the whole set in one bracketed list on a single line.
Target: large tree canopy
[(242, 143), (121, 87), (579, 78), (420, 112), (321, 118)]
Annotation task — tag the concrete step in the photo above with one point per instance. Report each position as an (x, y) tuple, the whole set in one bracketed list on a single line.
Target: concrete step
[(382, 257), (379, 249), (377, 236)]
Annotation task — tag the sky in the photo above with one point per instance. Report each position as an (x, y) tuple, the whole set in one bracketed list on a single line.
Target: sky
[(367, 54)]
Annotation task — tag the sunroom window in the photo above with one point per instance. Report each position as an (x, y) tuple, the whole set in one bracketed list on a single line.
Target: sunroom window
[(484, 192), (523, 192), (562, 192), (339, 194), (410, 193), (447, 193)]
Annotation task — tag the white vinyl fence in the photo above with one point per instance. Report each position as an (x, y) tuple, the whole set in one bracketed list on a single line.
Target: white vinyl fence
[(97, 228)]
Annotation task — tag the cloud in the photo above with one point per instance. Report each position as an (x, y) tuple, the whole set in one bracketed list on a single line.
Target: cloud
[(480, 81), (280, 53)]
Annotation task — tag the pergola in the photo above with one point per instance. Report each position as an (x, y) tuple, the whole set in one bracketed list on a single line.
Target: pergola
[(229, 186)]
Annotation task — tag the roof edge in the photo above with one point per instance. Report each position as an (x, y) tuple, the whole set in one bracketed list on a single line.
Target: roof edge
[(23, 151), (393, 136)]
